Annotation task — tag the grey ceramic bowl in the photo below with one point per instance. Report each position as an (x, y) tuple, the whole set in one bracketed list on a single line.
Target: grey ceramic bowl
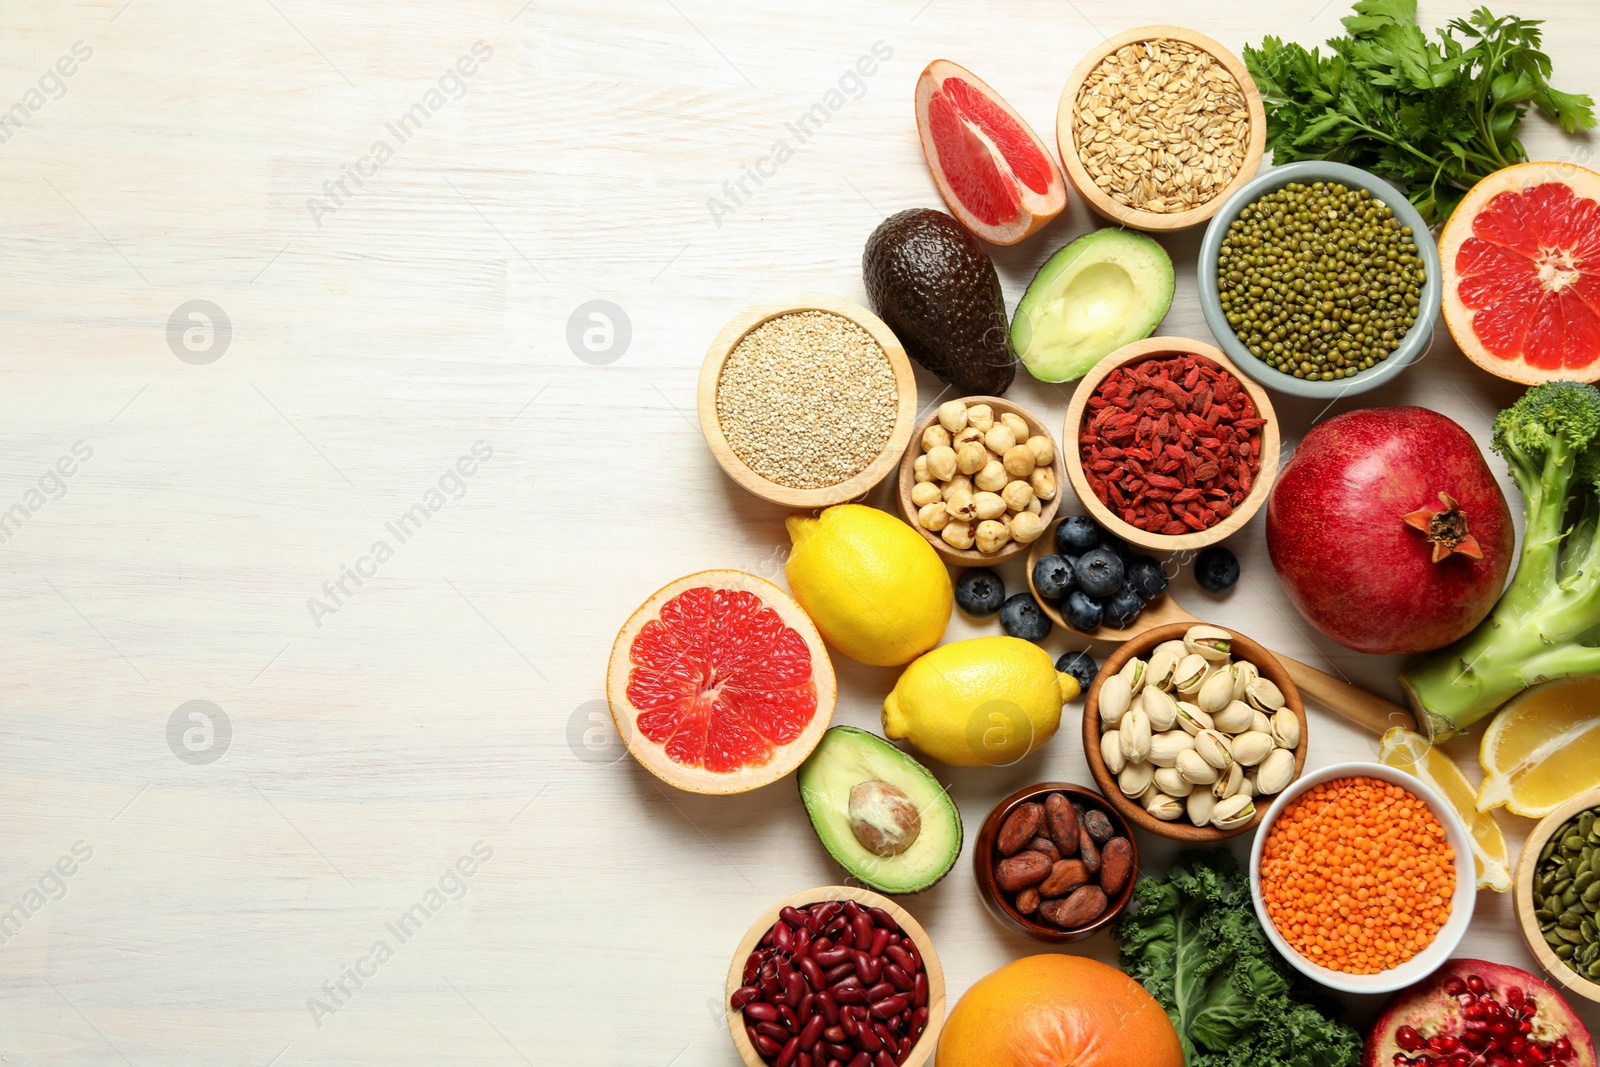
[(1414, 343)]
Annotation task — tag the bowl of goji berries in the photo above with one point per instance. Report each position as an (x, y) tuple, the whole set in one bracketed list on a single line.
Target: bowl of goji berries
[(1169, 445)]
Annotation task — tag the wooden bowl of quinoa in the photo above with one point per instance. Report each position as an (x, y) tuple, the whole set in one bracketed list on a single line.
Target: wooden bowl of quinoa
[(808, 402)]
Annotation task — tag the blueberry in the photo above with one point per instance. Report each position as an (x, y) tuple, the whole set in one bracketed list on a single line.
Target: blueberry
[(1052, 577), (1115, 544), (1123, 606), (1077, 535), (1082, 611), (1216, 569), (980, 592), (1022, 617), (1146, 577), (1081, 666), (1099, 572)]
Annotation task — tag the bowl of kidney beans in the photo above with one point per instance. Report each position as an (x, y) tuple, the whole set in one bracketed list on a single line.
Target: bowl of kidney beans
[(1055, 861), (835, 977)]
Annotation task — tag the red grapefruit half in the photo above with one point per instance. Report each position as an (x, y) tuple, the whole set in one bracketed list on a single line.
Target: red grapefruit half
[(720, 683), (1521, 258), (991, 168)]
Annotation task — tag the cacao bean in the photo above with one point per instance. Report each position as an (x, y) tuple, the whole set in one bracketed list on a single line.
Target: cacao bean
[(1116, 864), (1065, 876), (1019, 826), (1022, 870), (1088, 851), (1099, 825), (1027, 902), (1063, 822), (1047, 848), (1085, 905)]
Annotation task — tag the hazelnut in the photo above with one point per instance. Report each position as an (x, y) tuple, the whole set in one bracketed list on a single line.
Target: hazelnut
[(956, 484), (1000, 439), (953, 415), (958, 534), (1017, 495), (942, 462), (992, 478), (934, 516), (990, 505), (980, 416), (992, 535), (1043, 449), (1018, 461), (1026, 527), (1043, 483), (971, 458), (1017, 425), (1034, 507), (925, 493), (961, 437), (934, 436), (919, 469), (962, 505)]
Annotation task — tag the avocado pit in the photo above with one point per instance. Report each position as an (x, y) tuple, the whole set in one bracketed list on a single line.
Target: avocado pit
[(883, 818)]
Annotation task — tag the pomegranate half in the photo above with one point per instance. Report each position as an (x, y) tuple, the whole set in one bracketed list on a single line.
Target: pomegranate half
[(1473, 1013), (1388, 531), (991, 168)]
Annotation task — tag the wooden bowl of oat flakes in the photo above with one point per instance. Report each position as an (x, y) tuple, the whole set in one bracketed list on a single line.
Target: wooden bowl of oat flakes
[(1157, 126), (808, 402)]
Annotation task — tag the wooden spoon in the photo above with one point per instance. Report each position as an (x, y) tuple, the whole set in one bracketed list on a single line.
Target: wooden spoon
[(1349, 702)]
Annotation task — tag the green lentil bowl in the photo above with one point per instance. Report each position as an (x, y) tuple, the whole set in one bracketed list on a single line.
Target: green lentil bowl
[(1375, 315)]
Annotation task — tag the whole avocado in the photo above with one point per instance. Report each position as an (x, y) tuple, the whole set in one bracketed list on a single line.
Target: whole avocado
[(933, 285)]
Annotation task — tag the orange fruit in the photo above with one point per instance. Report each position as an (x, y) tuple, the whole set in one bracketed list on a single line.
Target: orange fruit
[(720, 683), (1042, 1011)]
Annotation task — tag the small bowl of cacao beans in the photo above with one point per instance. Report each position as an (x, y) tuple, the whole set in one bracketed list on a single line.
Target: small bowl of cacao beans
[(835, 973), (1056, 861)]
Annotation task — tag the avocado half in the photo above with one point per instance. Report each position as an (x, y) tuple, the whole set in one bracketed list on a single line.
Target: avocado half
[(880, 814), (1104, 290)]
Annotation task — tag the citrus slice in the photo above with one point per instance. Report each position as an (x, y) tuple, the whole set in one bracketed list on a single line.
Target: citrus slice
[(1543, 748), (993, 171), (1521, 259), (1410, 752), (720, 683)]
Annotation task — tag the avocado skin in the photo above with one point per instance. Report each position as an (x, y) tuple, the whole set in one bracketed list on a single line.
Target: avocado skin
[(936, 288)]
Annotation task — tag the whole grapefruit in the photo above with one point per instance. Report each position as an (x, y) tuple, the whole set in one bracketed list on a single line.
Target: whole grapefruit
[(1042, 1011)]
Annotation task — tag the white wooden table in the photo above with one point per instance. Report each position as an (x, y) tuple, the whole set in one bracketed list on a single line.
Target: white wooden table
[(377, 717)]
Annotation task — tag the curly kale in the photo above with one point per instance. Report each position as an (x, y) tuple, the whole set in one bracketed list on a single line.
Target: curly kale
[(1192, 940)]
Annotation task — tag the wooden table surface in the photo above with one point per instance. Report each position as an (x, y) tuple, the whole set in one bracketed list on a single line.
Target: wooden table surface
[(300, 293)]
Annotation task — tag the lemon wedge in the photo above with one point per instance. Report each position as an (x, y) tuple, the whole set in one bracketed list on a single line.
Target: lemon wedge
[(1543, 748), (1410, 752)]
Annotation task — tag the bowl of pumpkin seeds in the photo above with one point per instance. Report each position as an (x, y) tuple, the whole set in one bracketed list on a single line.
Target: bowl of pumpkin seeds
[(1557, 894)]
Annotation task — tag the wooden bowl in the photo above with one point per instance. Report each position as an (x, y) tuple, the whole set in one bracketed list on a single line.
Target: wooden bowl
[(1522, 897), (971, 557), (1181, 829), (1115, 210), (922, 1051), (1137, 352), (775, 492), (983, 859)]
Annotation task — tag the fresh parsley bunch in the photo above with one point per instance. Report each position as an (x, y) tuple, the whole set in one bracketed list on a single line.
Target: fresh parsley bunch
[(1434, 117)]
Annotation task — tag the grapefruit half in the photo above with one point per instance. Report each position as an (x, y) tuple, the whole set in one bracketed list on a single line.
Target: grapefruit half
[(1521, 258), (991, 168), (720, 683)]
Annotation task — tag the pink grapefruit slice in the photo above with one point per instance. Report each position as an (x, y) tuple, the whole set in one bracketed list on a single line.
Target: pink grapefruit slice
[(1521, 258), (991, 168), (720, 683)]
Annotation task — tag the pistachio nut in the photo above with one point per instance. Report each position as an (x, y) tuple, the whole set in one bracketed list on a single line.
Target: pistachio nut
[(1191, 720), (1116, 695), (1212, 642), (1111, 751), (1228, 781), (1244, 672), (1214, 749), (1159, 705), (1200, 804), (1235, 718), (1189, 674), (1135, 779), (1133, 671), (1263, 695), (1251, 747), (1164, 807), (1175, 646), (1247, 788), (1260, 722), (1135, 734), (1165, 746), (1232, 813), (1150, 790), (1172, 783), (1215, 692), (1285, 728), (1163, 662), (1194, 768), (1275, 772)]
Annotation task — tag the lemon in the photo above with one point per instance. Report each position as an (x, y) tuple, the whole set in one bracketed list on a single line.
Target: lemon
[(1543, 748), (986, 702), (1410, 752), (874, 586)]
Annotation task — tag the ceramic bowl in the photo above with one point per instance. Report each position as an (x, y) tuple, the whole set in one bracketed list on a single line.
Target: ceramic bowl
[(1416, 340)]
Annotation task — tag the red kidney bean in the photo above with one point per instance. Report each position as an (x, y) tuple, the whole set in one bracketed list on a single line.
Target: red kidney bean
[(813, 973), (867, 1039), (905, 1049), (742, 996), (919, 1021), (835, 1034), (870, 968), (919, 990), (916, 957), (761, 1012), (811, 1032), (787, 1017), (880, 941), (862, 925), (861, 1060), (804, 1060), (885, 1034), (898, 977), (831, 957), (808, 1006), (821, 944), (752, 968), (790, 1051), (900, 956), (833, 974), (764, 1044), (880, 991), (794, 917), (828, 1009), (889, 1006), (883, 1059), (848, 994), (774, 1031), (839, 1051), (795, 990), (782, 937)]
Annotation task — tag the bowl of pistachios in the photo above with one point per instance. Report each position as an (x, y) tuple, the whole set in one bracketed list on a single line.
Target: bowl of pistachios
[(1190, 729)]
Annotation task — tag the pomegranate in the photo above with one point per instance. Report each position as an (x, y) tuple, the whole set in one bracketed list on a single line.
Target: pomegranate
[(1473, 1013), (1388, 530)]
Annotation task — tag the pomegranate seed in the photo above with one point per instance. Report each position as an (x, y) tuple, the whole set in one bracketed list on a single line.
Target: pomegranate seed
[(1514, 994), (1423, 1061), (1516, 1044), (1408, 1038), (1454, 987), (1444, 1043), (1562, 1049), (1500, 1029), (1401, 1060), (1476, 983), (1535, 1054), (1525, 1026), (1461, 1059), (1473, 1010), (1529, 1005)]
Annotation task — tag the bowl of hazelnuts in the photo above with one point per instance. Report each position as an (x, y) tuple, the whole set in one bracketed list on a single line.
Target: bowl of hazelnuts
[(981, 480)]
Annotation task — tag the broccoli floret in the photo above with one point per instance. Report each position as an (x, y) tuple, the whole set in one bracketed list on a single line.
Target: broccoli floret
[(1543, 624)]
